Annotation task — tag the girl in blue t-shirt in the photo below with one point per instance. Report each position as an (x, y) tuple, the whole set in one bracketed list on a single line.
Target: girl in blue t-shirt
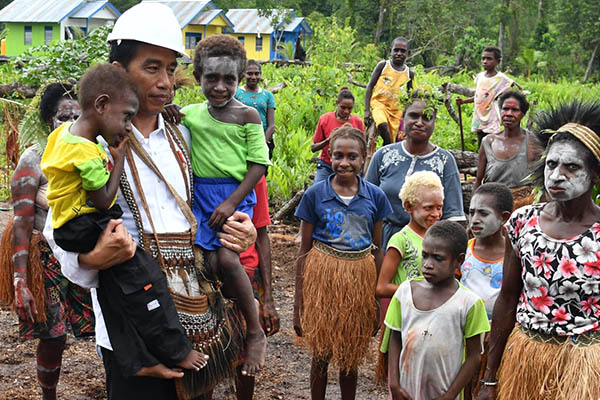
[(254, 96), (338, 263)]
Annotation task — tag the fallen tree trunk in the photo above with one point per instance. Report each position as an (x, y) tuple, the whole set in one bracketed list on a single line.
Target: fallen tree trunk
[(288, 208), (465, 159), (18, 88)]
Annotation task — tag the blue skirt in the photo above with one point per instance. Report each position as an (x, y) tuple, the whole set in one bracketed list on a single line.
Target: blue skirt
[(208, 194)]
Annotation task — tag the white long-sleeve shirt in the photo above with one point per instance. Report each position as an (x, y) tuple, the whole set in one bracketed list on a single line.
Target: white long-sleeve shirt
[(166, 215)]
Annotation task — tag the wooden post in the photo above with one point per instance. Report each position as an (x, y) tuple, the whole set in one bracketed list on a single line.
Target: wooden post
[(371, 145)]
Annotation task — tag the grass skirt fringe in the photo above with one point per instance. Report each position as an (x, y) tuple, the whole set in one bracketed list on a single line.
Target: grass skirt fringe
[(35, 272), (542, 369), (339, 310)]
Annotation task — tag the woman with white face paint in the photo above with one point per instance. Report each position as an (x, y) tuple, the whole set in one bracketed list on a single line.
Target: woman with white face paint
[(551, 283)]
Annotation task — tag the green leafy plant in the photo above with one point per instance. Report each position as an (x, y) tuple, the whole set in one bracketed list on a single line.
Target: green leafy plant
[(62, 60)]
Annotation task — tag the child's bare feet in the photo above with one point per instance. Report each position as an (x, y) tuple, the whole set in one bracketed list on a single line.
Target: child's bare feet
[(160, 371), (194, 360), (256, 348)]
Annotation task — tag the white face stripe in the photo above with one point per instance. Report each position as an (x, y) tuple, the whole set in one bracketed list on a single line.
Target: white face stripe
[(566, 176)]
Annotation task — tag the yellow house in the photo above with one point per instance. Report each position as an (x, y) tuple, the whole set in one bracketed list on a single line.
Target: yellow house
[(198, 19)]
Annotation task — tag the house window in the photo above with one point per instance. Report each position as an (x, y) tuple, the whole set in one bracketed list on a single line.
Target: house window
[(28, 36), (241, 39), (47, 34), (259, 44), (191, 40)]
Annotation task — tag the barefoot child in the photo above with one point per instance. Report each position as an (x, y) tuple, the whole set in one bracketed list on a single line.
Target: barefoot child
[(388, 79), (436, 323), (489, 85), (423, 198), (335, 309), (229, 156), (82, 184)]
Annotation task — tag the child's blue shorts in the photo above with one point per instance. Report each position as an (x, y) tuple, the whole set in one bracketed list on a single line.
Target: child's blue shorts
[(208, 194)]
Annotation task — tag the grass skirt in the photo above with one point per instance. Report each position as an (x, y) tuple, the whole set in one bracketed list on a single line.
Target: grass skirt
[(35, 272), (339, 309), (544, 367)]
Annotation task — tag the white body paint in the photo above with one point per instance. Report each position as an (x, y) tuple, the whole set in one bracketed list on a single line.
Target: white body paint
[(484, 220), (566, 177)]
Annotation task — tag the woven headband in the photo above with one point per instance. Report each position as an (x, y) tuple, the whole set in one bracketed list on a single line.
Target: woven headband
[(587, 136)]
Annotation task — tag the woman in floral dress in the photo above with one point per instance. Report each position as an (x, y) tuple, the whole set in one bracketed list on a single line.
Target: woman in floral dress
[(551, 286)]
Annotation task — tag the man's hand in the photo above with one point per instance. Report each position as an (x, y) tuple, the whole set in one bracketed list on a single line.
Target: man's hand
[(24, 300), (270, 318), (114, 246), (239, 232)]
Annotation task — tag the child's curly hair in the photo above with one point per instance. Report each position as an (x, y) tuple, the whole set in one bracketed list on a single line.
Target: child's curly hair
[(411, 189), (217, 46), (349, 132)]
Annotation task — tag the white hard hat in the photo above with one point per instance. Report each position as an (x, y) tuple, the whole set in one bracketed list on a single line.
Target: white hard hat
[(152, 23)]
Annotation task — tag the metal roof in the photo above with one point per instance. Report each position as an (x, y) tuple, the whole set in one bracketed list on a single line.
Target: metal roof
[(248, 20), (209, 16), (45, 10), (186, 10), (90, 9)]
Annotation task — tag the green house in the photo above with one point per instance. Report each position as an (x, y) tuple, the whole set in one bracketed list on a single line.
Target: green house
[(38, 22)]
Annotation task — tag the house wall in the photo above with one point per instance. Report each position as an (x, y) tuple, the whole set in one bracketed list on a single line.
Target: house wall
[(15, 37), (250, 45), (203, 30)]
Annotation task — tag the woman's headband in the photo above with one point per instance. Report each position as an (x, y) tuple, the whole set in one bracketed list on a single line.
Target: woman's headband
[(587, 136)]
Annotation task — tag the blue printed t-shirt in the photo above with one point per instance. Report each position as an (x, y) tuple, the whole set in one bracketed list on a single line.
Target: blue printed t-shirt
[(344, 227), (261, 100)]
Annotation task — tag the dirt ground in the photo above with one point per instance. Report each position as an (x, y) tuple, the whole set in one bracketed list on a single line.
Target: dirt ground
[(286, 375)]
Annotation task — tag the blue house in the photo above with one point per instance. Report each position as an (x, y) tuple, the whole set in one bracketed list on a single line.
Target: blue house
[(261, 34)]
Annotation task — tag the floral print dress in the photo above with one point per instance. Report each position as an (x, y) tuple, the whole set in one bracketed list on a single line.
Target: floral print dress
[(561, 277)]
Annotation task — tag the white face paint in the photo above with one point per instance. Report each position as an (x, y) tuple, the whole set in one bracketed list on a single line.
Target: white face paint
[(484, 220), (219, 80), (566, 177)]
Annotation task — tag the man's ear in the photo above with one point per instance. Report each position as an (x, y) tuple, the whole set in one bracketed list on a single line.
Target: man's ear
[(198, 76), (407, 206), (461, 258), (101, 103), (118, 64), (506, 215)]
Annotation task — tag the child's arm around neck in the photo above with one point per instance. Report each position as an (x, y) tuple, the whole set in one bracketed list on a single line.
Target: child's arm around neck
[(103, 197)]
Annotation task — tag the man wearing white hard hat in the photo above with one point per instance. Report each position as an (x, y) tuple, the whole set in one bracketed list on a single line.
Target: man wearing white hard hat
[(155, 196)]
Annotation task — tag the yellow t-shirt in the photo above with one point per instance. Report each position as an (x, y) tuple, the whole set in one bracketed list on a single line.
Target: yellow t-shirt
[(73, 165)]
